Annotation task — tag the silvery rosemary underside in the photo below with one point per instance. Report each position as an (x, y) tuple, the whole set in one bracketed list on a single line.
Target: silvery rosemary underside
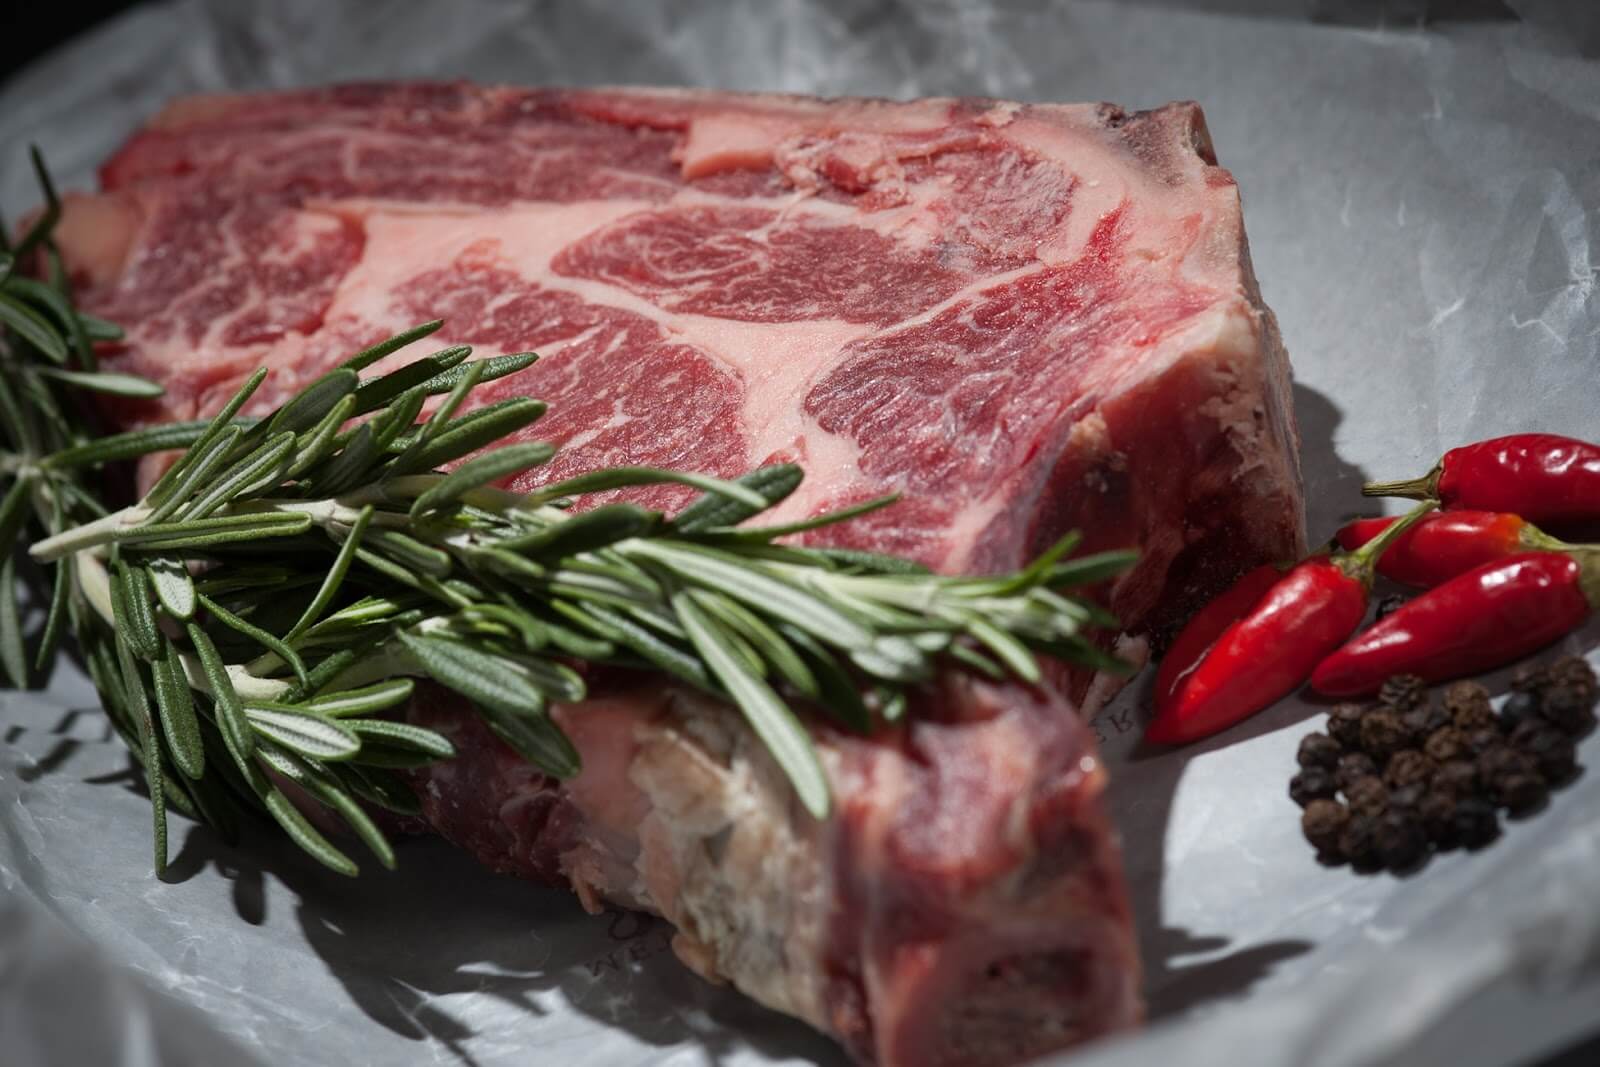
[(257, 618)]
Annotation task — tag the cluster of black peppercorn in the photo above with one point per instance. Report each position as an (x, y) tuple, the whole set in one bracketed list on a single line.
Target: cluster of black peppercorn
[(1417, 772)]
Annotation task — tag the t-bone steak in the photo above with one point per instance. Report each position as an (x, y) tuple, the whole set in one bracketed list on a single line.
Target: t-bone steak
[(1024, 319)]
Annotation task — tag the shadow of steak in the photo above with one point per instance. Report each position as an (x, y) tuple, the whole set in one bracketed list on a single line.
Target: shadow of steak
[(1023, 319)]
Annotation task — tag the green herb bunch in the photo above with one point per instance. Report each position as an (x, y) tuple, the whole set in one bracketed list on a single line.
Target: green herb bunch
[(258, 616)]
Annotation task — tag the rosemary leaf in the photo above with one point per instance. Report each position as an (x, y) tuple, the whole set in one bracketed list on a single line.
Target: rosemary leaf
[(202, 447), (471, 374), (99, 329), (131, 590), (327, 791), (263, 467), (605, 525), (303, 731), (176, 705), (761, 638), (481, 470), (489, 680), (129, 445), (46, 222), (56, 619), (308, 406), (403, 735), (13, 511), (192, 473), (768, 715), (266, 640), (32, 328), (300, 830), (108, 382), (377, 393), (618, 628), (173, 587), (368, 356), (471, 432), (971, 658), (347, 465), (628, 477), (390, 758), (313, 446), (1011, 652), (225, 699), (408, 551), (13, 652), (1088, 570), (730, 575), (711, 510), (131, 682), (837, 692), (490, 369), (336, 575), (367, 700)]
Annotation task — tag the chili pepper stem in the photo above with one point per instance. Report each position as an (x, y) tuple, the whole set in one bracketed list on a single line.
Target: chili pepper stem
[(1360, 563), (1423, 488), (1588, 558)]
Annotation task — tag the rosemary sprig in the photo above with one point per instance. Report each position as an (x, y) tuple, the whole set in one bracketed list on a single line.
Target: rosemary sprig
[(253, 622)]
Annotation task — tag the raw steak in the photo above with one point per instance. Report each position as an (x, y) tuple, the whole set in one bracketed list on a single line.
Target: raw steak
[(1025, 319)]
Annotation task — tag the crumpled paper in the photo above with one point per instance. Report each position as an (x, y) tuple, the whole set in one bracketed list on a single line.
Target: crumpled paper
[(1422, 200)]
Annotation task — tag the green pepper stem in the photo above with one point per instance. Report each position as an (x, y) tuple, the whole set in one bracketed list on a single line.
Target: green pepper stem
[(1423, 488), (1588, 557), (1539, 541), (1362, 562)]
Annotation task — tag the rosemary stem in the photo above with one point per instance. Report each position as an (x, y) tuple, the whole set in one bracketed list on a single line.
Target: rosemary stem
[(89, 535)]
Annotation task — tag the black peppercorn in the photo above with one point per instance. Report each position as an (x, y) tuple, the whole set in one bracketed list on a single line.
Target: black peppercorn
[(1520, 793), (1344, 724), (1319, 750), (1445, 744), (1481, 739), (1323, 822), (1457, 777), (1358, 842), (1407, 796), (1475, 822), (1400, 840), (1353, 766), (1437, 811), (1367, 796), (1402, 692), (1575, 671), (1502, 761), (1469, 706), (1518, 708), (1312, 783), (1552, 751), (1528, 678), (1522, 737), (1422, 721), (1568, 707), (1408, 767), (1382, 735)]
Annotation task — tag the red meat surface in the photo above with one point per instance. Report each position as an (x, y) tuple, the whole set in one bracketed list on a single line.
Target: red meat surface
[(1023, 318)]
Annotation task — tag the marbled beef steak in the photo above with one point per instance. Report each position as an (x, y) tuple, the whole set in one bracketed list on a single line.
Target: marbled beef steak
[(1022, 318)]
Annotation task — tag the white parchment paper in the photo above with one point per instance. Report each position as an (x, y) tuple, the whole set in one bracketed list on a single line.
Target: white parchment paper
[(1422, 203)]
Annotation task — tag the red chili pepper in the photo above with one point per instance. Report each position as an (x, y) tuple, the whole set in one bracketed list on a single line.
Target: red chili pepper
[(1541, 476), (1206, 625), (1450, 543), (1490, 616), (1306, 614)]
